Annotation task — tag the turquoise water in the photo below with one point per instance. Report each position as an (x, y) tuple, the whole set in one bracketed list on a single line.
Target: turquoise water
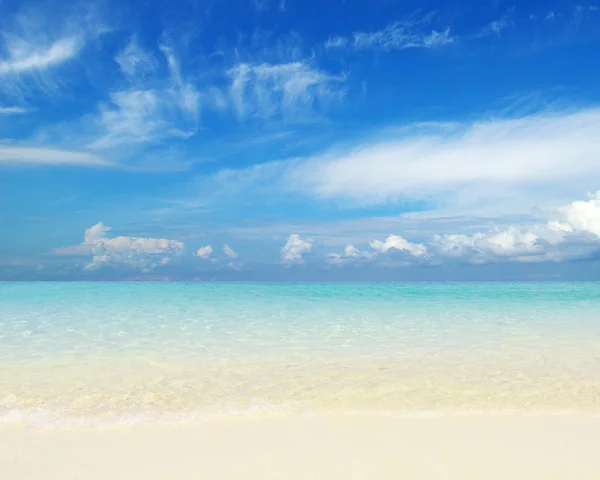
[(119, 350)]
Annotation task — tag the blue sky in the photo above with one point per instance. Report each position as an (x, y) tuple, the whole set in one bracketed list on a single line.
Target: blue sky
[(287, 140)]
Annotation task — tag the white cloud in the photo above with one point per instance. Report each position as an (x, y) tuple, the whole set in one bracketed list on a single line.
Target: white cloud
[(580, 216), (95, 233), (184, 93), (139, 115), (463, 162), (496, 26), (204, 252), (400, 36), (17, 155), (135, 62), (12, 110), (229, 252), (336, 42), (575, 233), (141, 253), (286, 89), (37, 43), (482, 247), (295, 249), (134, 118), (413, 32), (510, 244), (350, 253), (398, 243), (23, 56)]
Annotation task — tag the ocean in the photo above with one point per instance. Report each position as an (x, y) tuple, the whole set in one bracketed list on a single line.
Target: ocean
[(87, 353)]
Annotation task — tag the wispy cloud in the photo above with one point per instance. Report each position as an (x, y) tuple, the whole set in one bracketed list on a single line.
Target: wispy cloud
[(287, 90), (475, 169), (399, 36), (12, 110), (135, 62), (475, 158), (495, 27), (132, 119), (428, 32), (266, 5), (29, 156), (414, 32), (36, 44), (138, 115), (24, 57), (185, 93), (336, 42), (261, 5)]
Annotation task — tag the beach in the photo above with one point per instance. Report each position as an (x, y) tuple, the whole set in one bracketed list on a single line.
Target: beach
[(313, 447), (284, 240), (151, 380)]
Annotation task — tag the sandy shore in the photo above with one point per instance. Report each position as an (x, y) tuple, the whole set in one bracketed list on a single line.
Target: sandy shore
[(313, 447)]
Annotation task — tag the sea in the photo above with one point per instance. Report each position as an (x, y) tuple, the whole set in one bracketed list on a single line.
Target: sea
[(84, 354)]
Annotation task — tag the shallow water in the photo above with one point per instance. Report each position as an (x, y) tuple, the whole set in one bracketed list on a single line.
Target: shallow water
[(82, 352)]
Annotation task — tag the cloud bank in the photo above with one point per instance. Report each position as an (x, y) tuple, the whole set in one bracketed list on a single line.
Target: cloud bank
[(573, 232)]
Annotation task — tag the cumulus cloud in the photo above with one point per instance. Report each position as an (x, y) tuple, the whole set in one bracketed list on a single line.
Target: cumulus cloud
[(350, 253), (204, 252), (144, 254), (510, 243), (229, 252), (285, 89), (580, 216), (573, 232), (294, 250), (396, 242)]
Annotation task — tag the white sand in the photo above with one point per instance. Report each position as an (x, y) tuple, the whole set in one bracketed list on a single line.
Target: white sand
[(315, 447)]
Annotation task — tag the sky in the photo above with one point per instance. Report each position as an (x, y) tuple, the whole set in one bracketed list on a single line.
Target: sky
[(287, 140)]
